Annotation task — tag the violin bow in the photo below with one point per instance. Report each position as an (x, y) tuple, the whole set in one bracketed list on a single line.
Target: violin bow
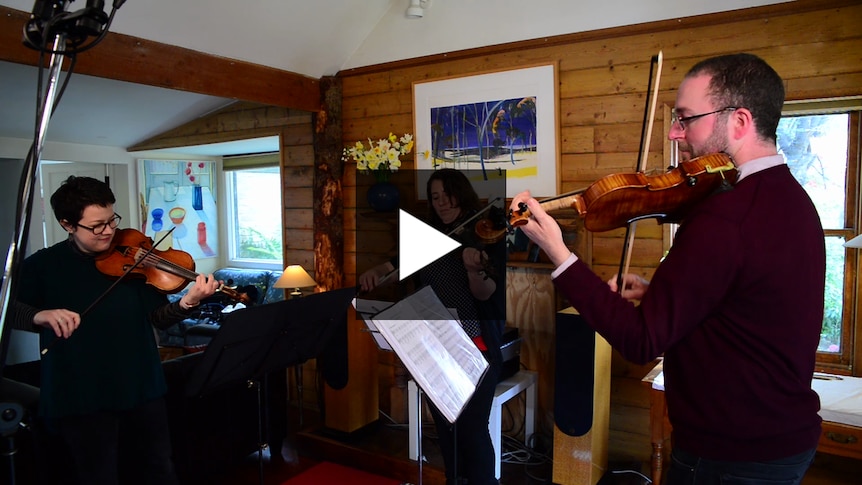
[(646, 134)]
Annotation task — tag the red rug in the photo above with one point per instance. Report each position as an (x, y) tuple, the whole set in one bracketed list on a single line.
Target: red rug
[(327, 473)]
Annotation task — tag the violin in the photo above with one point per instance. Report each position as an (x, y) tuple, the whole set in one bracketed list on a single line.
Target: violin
[(616, 200), (169, 271)]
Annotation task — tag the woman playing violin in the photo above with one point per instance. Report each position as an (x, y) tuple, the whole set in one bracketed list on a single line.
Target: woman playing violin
[(737, 304), (471, 281), (102, 384)]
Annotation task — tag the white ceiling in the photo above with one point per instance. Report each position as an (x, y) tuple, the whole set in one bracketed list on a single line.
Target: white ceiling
[(309, 37)]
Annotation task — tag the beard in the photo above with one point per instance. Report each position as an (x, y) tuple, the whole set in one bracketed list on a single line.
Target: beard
[(716, 142)]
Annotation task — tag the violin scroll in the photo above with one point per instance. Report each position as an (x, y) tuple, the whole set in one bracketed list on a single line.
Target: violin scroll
[(492, 228)]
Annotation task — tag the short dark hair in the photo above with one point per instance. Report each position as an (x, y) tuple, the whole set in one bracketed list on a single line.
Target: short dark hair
[(745, 81), (78, 193), (457, 186)]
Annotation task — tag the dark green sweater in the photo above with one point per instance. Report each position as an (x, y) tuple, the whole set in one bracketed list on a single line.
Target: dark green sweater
[(111, 361)]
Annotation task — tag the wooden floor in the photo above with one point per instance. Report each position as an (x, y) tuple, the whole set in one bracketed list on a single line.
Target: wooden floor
[(382, 449)]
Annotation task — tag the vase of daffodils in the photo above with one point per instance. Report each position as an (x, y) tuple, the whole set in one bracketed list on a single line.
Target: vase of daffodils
[(380, 159)]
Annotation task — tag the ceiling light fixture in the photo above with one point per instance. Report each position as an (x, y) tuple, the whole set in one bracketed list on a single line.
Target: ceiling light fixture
[(416, 10)]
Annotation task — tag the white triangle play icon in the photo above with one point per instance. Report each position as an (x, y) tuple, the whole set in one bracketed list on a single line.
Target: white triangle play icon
[(419, 244)]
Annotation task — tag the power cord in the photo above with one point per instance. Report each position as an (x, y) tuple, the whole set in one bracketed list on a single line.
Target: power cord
[(619, 472)]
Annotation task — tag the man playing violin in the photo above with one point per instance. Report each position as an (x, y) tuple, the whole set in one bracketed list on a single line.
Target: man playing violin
[(102, 383), (738, 331), (464, 280)]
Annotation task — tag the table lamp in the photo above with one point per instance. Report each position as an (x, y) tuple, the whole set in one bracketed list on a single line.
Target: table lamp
[(294, 276)]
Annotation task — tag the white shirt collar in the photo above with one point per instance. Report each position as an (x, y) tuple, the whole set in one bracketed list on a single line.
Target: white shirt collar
[(758, 164)]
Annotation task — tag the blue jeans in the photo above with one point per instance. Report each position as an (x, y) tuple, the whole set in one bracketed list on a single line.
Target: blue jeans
[(688, 469)]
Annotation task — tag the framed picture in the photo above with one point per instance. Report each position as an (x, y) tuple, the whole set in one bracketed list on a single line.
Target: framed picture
[(178, 205), (500, 124)]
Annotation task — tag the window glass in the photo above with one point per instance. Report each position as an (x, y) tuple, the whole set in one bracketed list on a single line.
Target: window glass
[(254, 217), (815, 147)]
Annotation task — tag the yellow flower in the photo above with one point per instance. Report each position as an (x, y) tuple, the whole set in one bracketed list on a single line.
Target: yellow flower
[(384, 155)]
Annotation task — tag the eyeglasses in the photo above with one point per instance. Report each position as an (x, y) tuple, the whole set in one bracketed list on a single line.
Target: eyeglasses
[(675, 118), (100, 228)]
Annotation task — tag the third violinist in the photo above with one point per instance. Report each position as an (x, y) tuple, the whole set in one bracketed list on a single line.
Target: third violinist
[(464, 280)]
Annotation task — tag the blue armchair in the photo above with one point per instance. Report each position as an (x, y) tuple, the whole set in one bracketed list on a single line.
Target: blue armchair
[(259, 285)]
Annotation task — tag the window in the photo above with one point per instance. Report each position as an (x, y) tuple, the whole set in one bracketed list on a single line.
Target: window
[(253, 211), (822, 150)]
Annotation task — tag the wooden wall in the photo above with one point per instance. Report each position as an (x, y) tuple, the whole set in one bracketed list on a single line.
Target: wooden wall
[(603, 77)]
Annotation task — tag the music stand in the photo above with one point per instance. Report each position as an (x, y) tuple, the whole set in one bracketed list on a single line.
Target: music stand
[(256, 340)]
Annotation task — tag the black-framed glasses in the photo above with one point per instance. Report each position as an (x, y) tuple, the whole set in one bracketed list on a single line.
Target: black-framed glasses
[(675, 118), (100, 228)]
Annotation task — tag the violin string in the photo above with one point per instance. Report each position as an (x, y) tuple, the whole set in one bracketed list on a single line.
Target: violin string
[(171, 267), (174, 268)]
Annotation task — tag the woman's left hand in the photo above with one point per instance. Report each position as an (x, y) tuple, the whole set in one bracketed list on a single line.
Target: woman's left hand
[(205, 285), (474, 259)]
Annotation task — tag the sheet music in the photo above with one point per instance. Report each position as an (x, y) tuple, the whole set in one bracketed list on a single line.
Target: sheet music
[(440, 356)]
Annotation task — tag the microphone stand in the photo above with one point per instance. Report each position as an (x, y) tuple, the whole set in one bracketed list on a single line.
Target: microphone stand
[(28, 177), (19, 244)]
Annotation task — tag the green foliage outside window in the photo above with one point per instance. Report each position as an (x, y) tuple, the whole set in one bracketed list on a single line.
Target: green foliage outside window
[(254, 245)]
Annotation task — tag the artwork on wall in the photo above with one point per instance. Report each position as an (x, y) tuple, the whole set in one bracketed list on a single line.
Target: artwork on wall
[(179, 195), (496, 123)]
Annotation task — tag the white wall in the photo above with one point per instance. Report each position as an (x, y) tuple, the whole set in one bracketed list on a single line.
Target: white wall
[(125, 190)]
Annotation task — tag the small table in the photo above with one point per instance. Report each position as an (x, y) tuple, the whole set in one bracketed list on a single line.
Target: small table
[(507, 389), (659, 424)]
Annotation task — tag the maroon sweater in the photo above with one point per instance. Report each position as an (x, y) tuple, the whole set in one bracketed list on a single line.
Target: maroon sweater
[(737, 308)]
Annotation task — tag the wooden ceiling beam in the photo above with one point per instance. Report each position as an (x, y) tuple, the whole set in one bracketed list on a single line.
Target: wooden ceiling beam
[(132, 59)]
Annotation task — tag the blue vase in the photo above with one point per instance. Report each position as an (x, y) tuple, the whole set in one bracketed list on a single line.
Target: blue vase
[(197, 198), (383, 197)]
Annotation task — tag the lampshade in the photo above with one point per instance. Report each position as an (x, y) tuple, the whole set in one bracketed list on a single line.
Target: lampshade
[(294, 276), (856, 242)]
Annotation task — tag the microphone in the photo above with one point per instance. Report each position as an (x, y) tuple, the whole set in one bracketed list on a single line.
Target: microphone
[(92, 19), (44, 21), (43, 12)]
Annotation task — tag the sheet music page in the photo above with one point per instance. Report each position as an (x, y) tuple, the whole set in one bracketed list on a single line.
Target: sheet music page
[(440, 356)]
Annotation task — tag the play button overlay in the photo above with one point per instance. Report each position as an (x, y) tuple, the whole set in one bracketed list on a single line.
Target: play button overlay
[(419, 244)]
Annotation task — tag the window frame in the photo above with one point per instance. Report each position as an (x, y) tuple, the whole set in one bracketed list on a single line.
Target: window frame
[(848, 361), (230, 166)]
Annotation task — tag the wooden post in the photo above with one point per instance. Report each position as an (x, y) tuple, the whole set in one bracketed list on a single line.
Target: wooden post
[(355, 405)]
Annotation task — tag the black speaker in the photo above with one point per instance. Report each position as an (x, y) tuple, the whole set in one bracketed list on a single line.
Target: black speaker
[(574, 376)]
